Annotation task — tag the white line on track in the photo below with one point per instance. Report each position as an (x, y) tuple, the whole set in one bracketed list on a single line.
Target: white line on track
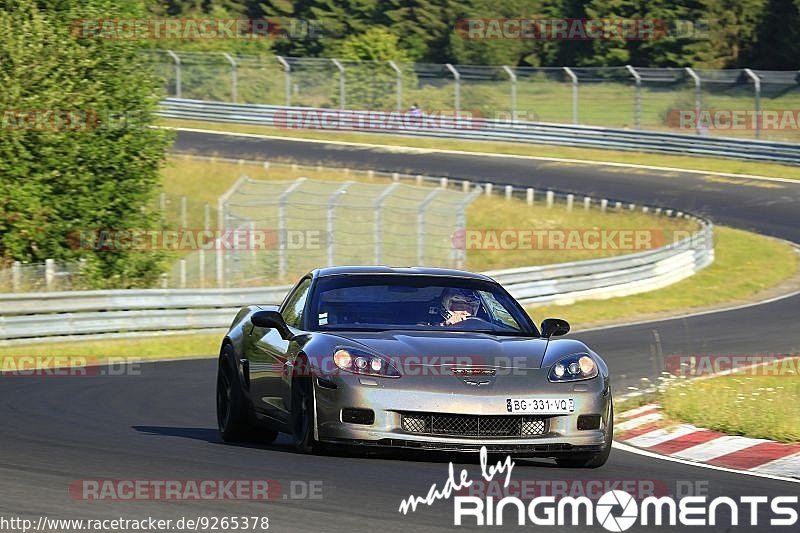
[(785, 465), (630, 449)]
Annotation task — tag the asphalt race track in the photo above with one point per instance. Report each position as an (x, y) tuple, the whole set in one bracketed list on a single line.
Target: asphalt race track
[(159, 422)]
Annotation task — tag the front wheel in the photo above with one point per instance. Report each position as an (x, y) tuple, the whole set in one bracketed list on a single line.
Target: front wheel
[(592, 460), (303, 416)]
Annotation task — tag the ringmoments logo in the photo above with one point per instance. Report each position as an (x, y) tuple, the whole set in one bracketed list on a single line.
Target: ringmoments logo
[(615, 510)]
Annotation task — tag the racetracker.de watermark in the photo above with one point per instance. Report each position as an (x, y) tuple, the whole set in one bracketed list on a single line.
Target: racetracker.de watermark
[(527, 489), (564, 239), (52, 120), (446, 366), (733, 119), (562, 29), (44, 120), (67, 366), (773, 365), (141, 29), (194, 489), (315, 119), (196, 239)]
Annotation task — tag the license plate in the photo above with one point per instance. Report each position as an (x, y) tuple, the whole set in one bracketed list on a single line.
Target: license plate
[(543, 406)]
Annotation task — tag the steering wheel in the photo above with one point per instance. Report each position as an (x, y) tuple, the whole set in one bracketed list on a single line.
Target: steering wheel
[(472, 320)]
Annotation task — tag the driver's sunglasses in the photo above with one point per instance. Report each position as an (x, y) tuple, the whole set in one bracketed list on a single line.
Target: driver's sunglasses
[(463, 304)]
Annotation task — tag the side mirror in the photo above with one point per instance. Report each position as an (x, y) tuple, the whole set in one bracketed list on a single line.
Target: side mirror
[(553, 327), (272, 320)]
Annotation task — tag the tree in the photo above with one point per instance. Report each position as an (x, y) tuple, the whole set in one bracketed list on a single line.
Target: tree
[(370, 79), (98, 169)]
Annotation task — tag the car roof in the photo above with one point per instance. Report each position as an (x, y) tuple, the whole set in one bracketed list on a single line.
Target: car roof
[(406, 271)]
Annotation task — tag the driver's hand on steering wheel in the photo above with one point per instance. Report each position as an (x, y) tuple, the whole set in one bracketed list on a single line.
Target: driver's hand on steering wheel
[(456, 317)]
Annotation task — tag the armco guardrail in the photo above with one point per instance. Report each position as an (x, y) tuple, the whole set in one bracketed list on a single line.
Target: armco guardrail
[(34, 315), (492, 130)]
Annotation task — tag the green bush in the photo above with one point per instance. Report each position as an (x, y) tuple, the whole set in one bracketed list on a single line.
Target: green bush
[(96, 169)]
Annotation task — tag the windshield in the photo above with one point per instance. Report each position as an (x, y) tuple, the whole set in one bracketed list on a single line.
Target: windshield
[(383, 302)]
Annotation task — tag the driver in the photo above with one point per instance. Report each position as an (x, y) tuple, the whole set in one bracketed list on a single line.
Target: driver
[(458, 305)]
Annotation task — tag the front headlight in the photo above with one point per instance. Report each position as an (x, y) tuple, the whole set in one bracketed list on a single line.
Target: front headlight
[(363, 362), (573, 367)]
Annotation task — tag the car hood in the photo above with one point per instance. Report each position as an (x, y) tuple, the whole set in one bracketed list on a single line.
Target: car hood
[(452, 348)]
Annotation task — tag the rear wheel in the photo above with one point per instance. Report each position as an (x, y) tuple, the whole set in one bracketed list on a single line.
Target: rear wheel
[(235, 417), (592, 460)]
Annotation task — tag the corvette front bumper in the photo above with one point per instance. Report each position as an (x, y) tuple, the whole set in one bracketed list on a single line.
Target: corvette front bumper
[(388, 400)]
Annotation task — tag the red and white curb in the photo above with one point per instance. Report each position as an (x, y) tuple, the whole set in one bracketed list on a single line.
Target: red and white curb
[(645, 428)]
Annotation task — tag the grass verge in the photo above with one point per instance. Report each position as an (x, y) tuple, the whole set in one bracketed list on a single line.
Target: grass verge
[(758, 406), (588, 154), (102, 350)]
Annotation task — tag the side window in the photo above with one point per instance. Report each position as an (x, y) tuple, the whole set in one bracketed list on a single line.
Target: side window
[(293, 310), (499, 312)]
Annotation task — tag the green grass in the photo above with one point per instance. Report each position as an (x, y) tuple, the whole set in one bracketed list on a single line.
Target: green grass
[(586, 154), (156, 347), (759, 406), (745, 263)]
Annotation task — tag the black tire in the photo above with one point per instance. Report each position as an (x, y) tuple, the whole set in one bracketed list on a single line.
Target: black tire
[(303, 421), (592, 460), (235, 417)]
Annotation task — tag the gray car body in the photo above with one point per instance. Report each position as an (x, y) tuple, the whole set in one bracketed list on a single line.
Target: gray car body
[(267, 364)]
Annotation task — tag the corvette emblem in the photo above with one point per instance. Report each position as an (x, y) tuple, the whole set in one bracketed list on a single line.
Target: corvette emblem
[(477, 377), (463, 372)]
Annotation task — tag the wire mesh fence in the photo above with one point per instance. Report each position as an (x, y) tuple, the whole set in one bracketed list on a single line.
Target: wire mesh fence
[(294, 226), (734, 102)]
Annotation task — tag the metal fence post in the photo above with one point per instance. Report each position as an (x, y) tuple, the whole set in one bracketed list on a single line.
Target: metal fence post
[(513, 78), (221, 218), (757, 95), (283, 200), (201, 252), (287, 80), (461, 225), (49, 273), (421, 225), (16, 276), (183, 212), (457, 87), (182, 273), (377, 227), (697, 97), (177, 60), (331, 226), (234, 77), (339, 66), (574, 80), (398, 84), (637, 104)]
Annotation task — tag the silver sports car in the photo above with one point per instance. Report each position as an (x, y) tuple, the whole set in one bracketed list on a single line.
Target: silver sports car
[(415, 358)]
